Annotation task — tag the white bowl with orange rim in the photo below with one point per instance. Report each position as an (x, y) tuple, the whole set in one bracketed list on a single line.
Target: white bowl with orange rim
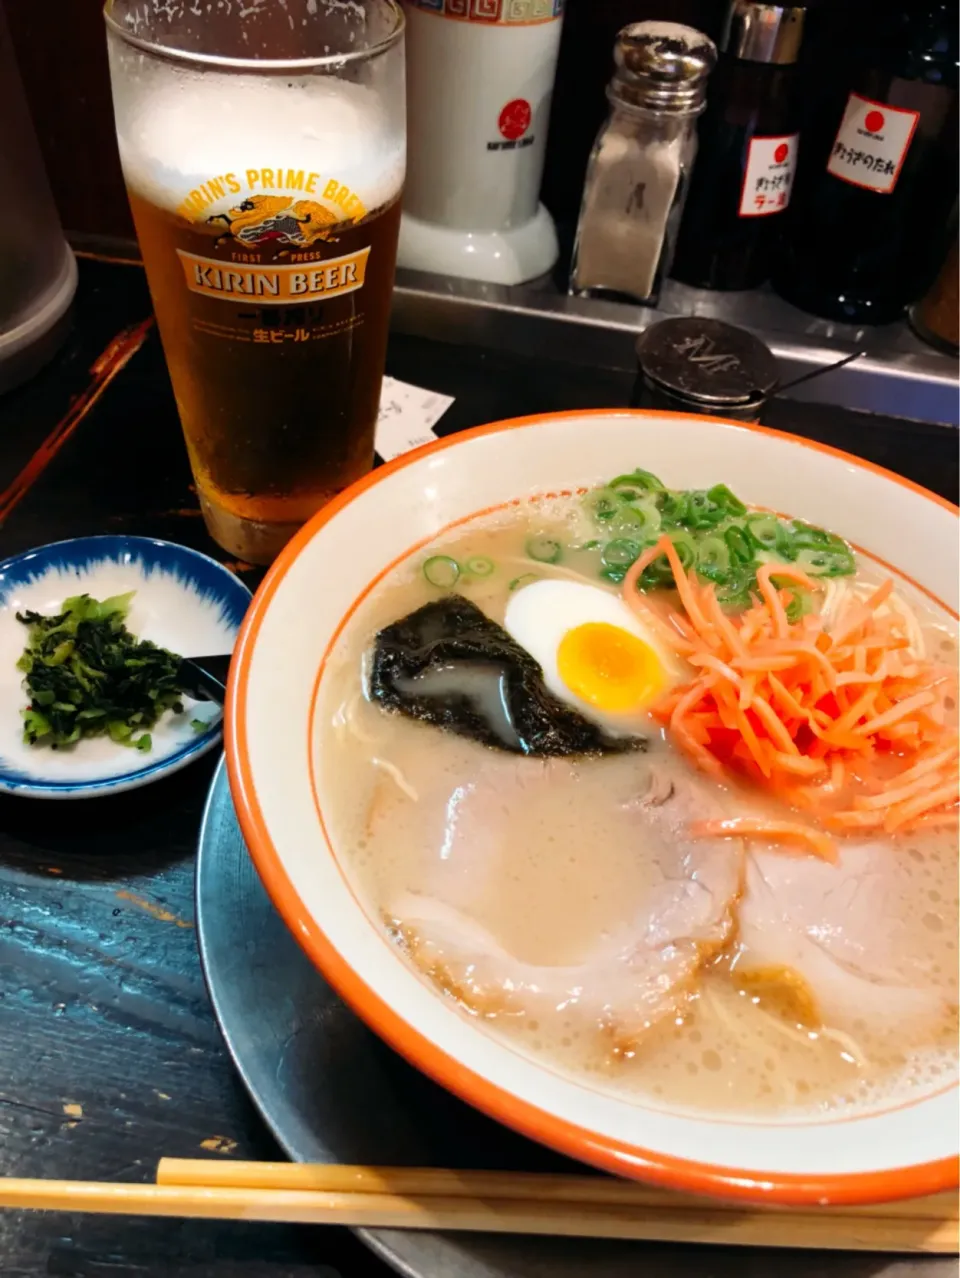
[(906, 1149)]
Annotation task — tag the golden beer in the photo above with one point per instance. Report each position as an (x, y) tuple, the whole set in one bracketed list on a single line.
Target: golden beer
[(267, 210)]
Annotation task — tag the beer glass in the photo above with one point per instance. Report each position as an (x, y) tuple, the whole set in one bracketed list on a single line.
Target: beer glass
[(263, 146)]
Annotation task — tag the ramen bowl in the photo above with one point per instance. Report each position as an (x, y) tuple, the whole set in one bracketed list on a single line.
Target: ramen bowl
[(905, 1149)]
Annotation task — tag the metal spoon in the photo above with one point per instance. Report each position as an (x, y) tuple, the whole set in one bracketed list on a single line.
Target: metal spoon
[(205, 678)]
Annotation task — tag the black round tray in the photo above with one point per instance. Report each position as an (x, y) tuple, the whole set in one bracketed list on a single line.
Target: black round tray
[(331, 1091)]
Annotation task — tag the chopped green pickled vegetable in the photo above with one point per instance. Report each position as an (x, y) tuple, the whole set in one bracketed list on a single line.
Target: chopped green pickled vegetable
[(87, 676), (442, 571)]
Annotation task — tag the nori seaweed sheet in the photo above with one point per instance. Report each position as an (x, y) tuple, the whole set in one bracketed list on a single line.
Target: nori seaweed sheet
[(452, 631)]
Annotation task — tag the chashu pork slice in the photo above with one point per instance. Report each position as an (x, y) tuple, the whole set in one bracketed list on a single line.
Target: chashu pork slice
[(873, 937), (525, 887)]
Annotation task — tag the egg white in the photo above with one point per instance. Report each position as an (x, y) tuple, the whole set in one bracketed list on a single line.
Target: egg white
[(539, 615)]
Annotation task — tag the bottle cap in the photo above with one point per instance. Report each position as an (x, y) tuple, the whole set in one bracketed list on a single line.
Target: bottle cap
[(662, 66), (757, 32), (705, 366)]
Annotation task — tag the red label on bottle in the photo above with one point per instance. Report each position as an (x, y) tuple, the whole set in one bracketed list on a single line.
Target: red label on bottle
[(872, 144), (768, 177)]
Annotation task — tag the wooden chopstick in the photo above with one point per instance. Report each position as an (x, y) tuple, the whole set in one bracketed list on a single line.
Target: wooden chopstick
[(414, 1182), (419, 1182), (700, 1221)]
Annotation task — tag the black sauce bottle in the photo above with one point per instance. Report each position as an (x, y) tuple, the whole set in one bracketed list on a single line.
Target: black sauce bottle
[(743, 176), (873, 210)]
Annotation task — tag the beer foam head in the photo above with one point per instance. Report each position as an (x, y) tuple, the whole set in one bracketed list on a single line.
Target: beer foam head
[(182, 130)]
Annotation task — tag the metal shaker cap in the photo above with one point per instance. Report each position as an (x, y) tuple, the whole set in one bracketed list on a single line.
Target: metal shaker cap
[(706, 366), (662, 66), (758, 32)]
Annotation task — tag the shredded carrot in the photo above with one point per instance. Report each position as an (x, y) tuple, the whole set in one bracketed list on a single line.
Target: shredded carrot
[(771, 831), (903, 812), (800, 764), (897, 712), (846, 722)]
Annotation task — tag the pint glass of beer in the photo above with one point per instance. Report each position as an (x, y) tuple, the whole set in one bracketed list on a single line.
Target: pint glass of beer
[(263, 145)]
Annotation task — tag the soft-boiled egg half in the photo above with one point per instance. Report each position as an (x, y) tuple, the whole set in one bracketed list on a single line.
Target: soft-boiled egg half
[(596, 655)]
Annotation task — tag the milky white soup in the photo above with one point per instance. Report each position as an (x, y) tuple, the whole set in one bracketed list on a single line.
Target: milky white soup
[(562, 901)]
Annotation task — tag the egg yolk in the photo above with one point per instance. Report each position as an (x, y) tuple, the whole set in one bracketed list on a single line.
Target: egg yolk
[(609, 667)]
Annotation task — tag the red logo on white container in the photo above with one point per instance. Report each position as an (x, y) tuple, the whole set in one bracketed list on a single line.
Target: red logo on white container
[(515, 119)]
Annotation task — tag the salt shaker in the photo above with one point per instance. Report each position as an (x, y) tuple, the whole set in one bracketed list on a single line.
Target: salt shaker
[(639, 169)]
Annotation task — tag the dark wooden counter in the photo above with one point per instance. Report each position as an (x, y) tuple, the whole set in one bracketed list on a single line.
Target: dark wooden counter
[(109, 1054)]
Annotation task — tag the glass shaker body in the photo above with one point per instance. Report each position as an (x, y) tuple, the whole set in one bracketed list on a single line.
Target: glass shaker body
[(636, 184)]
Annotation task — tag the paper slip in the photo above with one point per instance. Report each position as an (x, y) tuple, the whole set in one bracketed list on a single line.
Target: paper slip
[(407, 416)]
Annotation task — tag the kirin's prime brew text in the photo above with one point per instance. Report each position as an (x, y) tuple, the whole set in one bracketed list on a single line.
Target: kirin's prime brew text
[(267, 207)]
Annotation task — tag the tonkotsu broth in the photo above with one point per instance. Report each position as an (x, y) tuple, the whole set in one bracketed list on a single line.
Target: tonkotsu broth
[(402, 800)]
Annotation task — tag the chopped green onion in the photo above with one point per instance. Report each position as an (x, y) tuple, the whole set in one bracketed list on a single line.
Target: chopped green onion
[(659, 573), (772, 536), (713, 533), (713, 559), (641, 520), (524, 576), (702, 511), (627, 517), (738, 543), (685, 544), (801, 603), (734, 595), (603, 503), (826, 563), (764, 530), (674, 507), (641, 481), (620, 553), (442, 571), (721, 496), (806, 537), (480, 566), (545, 550)]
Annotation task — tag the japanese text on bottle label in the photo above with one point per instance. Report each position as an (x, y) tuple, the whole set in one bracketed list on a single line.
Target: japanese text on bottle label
[(871, 144), (768, 177)]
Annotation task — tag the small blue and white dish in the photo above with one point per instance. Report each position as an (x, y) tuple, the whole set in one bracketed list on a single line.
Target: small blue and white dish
[(183, 601)]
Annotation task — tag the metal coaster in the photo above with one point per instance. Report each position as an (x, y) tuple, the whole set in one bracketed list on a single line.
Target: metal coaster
[(331, 1091)]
